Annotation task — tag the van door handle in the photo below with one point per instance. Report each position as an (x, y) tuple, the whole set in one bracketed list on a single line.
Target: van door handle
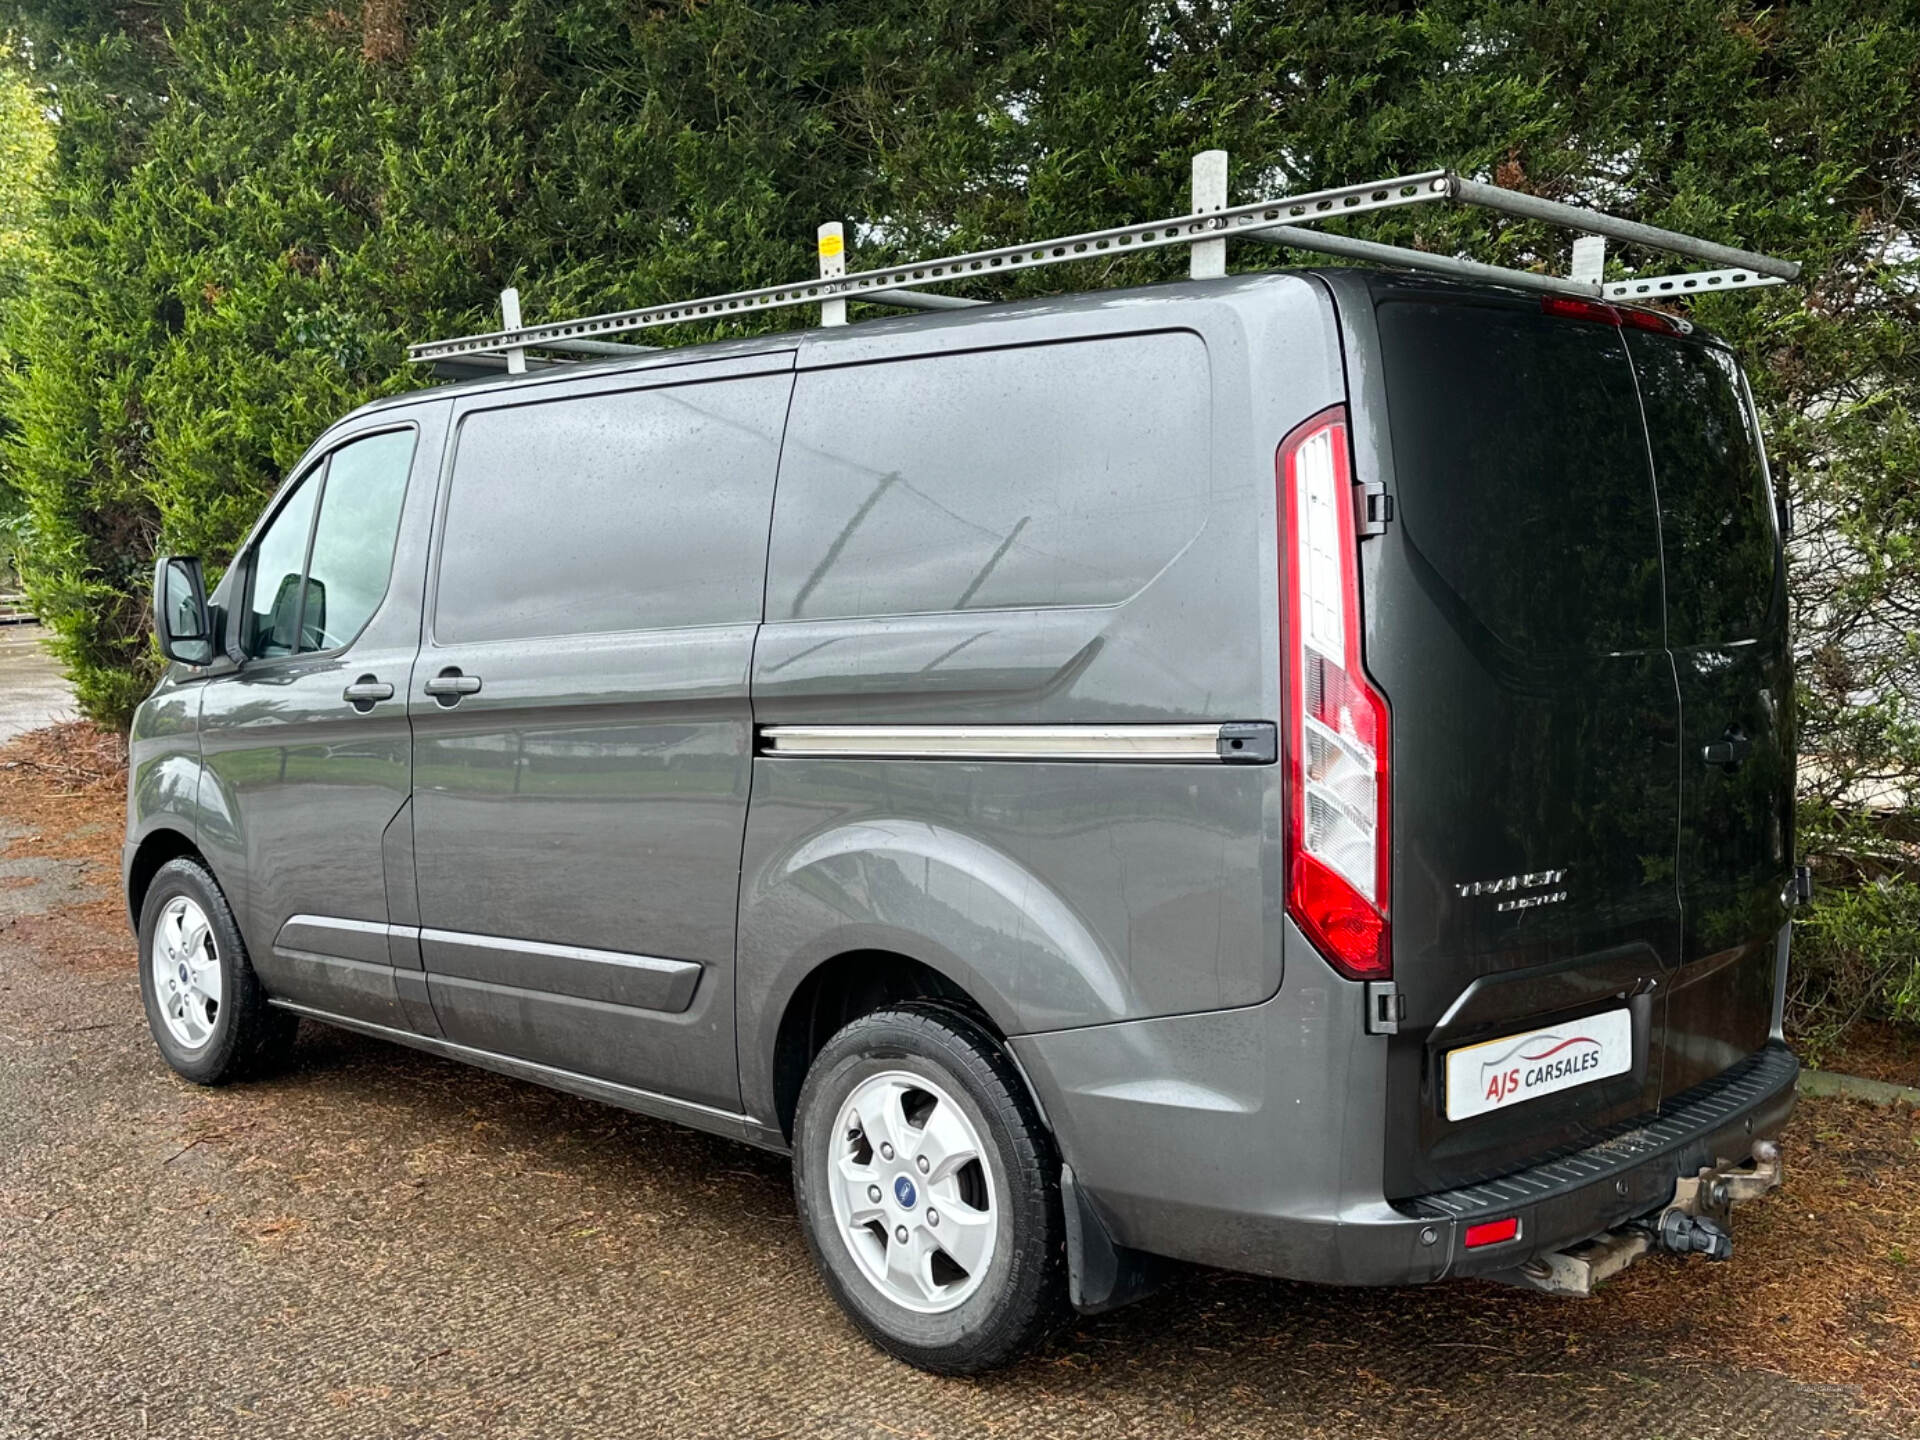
[(1729, 750), (365, 691), (449, 685)]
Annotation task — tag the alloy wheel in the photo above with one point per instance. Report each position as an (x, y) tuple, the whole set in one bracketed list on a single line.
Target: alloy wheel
[(186, 972), (912, 1192)]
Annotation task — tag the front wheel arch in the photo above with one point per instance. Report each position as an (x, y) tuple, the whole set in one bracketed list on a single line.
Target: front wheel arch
[(157, 848)]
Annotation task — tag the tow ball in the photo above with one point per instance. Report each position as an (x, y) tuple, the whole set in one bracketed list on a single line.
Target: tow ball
[(1694, 1222), (1686, 1234)]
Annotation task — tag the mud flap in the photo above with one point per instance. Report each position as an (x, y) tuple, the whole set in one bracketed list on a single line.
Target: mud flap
[(1102, 1275)]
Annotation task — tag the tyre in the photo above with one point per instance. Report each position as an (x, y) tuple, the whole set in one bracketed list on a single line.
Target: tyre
[(205, 1006), (929, 1191)]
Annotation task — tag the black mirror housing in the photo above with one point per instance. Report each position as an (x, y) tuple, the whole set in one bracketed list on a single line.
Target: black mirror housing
[(181, 621)]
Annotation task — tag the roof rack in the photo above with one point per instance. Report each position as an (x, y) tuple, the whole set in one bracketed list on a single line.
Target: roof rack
[(1282, 222)]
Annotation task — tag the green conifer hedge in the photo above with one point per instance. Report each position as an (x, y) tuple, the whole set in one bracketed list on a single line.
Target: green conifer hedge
[(256, 204)]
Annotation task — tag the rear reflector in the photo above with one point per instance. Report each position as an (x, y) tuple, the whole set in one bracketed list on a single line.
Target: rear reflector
[(1492, 1232), (1337, 860)]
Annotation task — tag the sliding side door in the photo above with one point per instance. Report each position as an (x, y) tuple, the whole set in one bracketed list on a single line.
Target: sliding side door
[(582, 734)]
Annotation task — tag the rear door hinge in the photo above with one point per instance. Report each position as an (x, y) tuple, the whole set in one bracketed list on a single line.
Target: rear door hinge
[(1373, 508), (1386, 1007)]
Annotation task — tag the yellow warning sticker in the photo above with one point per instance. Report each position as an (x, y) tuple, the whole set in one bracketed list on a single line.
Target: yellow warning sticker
[(831, 245)]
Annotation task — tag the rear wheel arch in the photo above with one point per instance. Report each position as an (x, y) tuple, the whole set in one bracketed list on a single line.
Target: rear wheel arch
[(840, 990)]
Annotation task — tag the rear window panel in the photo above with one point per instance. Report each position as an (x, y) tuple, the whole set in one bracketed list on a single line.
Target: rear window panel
[(1716, 510), (1521, 471), (1046, 475)]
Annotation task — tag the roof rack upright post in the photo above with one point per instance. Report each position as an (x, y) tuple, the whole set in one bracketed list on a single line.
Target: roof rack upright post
[(833, 264), (1208, 258), (510, 320), (1589, 259)]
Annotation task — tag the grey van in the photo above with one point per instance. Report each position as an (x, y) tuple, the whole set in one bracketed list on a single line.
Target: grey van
[(1291, 772)]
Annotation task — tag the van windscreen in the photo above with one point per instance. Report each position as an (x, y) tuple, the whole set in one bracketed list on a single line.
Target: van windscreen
[(1521, 470)]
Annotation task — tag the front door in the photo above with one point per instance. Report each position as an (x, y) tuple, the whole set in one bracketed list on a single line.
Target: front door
[(582, 731), (307, 741)]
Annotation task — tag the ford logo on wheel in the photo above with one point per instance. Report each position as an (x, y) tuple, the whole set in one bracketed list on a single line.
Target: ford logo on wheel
[(903, 1192)]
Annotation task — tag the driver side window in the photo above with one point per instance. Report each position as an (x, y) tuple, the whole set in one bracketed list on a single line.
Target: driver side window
[(279, 560), (317, 583)]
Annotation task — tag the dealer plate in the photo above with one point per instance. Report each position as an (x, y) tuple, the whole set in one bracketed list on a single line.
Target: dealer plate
[(1517, 1068)]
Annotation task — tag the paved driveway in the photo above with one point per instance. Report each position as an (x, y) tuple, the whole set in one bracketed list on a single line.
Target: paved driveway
[(33, 692), (379, 1243)]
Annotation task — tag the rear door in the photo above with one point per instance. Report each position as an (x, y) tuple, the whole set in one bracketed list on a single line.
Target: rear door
[(582, 737), (1514, 621), (1727, 630)]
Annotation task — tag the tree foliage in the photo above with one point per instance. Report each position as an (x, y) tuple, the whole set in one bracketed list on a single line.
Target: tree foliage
[(256, 204), (26, 146)]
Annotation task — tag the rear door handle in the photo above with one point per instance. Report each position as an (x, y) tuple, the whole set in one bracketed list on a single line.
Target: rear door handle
[(449, 685), (365, 691), (1729, 750)]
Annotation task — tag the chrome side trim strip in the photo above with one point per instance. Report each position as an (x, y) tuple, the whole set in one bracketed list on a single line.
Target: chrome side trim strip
[(1193, 744), (611, 977)]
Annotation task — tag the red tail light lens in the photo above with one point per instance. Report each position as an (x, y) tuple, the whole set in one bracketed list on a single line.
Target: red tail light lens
[(1337, 801)]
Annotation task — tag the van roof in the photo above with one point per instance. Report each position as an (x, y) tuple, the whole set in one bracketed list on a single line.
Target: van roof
[(1173, 292)]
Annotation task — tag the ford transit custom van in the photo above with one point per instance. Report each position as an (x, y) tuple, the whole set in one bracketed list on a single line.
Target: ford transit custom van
[(1291, 772)]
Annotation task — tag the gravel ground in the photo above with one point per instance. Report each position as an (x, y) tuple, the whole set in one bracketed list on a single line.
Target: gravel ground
[(379, 1243)]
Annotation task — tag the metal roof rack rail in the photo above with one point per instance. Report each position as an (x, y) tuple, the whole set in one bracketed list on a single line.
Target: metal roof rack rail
[(1282, 222)]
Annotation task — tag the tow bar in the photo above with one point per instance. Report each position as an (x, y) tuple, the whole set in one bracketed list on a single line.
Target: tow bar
[(1694, 1222)]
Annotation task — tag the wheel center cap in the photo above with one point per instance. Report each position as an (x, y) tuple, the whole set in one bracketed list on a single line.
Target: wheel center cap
[(183, 974), (904, 1192)]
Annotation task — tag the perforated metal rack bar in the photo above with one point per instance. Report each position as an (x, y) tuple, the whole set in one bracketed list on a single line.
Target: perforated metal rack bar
[(1278, 221), (1092, 244), (1696, 282)]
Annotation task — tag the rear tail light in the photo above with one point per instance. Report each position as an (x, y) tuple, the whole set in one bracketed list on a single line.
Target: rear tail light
[(1337, 796)]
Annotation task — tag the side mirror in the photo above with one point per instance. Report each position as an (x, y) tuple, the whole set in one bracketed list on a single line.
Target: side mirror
[(283, 637), (180, 620)]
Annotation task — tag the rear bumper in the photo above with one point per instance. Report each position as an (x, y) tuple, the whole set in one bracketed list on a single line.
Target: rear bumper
[(1575, 1197), (1251, 1140)]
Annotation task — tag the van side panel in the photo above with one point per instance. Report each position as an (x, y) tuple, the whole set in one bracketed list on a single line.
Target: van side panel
[(1076, 529)]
